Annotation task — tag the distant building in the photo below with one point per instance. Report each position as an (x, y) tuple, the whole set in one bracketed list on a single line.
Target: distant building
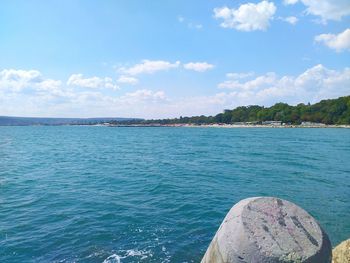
[(273, 123), (309, 123), (246, 123)]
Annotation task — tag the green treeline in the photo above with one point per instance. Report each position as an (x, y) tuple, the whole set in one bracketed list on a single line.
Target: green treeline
[(332, 111)]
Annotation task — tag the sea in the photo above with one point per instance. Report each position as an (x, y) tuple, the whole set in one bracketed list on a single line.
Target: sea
[(157, 194)]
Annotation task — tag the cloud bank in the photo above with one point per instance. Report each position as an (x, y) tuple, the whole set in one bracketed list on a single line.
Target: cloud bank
[(30, 93), (312, 85)]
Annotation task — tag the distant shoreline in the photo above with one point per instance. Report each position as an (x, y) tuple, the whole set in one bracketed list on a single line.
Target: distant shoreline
[(225, 126), (232, 126)]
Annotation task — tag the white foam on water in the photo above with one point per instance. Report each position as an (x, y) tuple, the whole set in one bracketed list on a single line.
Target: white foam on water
[(142, 254), (112, 259), (138, 253)]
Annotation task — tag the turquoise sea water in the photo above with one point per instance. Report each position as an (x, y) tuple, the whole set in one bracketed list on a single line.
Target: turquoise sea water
[(99, 194)]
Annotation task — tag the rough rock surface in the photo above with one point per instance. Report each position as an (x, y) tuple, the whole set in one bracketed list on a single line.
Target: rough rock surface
[(268, 229), (341, 253)]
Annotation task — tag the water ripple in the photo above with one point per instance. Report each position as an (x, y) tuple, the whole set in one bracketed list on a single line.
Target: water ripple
[(98, 194)]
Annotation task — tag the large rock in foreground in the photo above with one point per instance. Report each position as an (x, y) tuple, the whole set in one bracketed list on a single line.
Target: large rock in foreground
[(268, 229), (341, 253)]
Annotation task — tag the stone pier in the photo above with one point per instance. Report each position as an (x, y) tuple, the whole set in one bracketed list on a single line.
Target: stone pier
[(271, 230)]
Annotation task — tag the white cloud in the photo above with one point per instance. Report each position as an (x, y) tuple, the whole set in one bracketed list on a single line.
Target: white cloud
[(326, 9), (290, 2), (41, 96), (49, 84), (128, 80), (198, 66), (93, 82), (258, 82), (16, 80), (338, 42), (236, 75), (312, 85), (180, 19), (52, 88), (30, 81), (149, 67), (248, 17), (23, 75), (25, 92), (144, 95), (291, 20), (190, 24)]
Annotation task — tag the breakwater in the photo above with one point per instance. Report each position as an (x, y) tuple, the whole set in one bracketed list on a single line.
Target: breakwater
[(268, 229)]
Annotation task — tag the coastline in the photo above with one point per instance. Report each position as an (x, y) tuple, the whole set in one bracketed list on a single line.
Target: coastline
[(230, 126)]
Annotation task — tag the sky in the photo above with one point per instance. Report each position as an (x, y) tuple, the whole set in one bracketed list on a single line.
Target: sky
[(169, 58)]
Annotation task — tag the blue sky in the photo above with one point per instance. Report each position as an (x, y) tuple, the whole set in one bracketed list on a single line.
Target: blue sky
[(169, 58)]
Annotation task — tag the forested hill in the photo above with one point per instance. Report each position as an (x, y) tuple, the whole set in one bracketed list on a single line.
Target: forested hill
[(332, 111)]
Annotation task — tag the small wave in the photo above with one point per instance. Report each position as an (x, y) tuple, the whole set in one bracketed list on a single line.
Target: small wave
[(112, 259), (137, 253), (115, 258)]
